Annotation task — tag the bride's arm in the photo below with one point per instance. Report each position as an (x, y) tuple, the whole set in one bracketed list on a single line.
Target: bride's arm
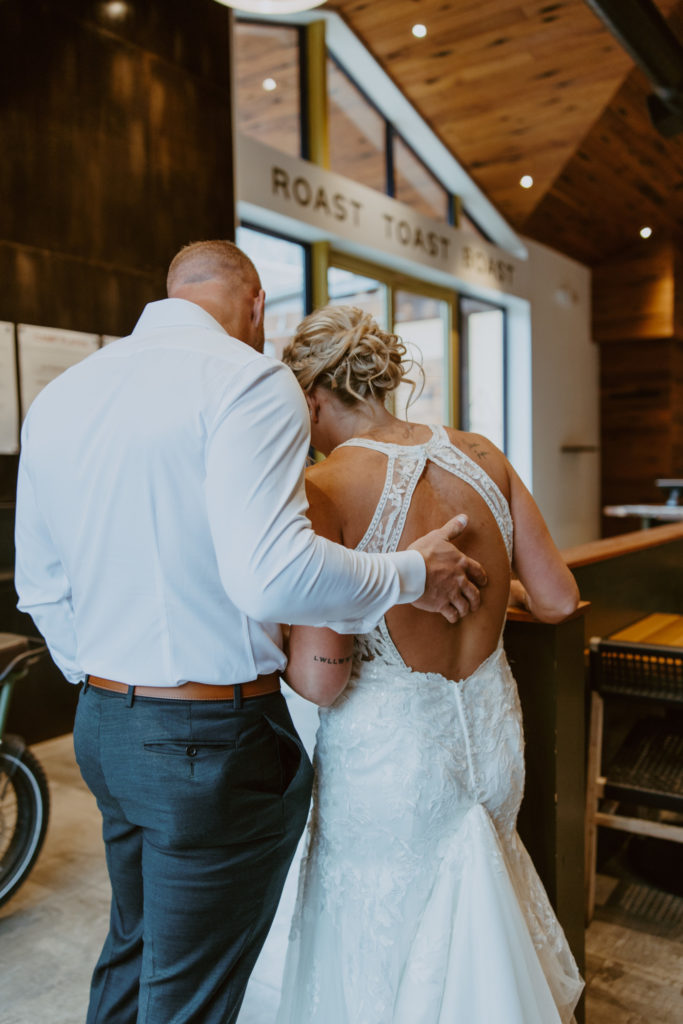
[(546, 586), (319, 662)]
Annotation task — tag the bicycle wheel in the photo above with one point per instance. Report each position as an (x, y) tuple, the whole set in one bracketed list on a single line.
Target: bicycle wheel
[(24, 812)]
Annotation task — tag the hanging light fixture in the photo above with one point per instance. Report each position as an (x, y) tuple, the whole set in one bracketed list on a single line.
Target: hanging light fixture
[(272, 6)]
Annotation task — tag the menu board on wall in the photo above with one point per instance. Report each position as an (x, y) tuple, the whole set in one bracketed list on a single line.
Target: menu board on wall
[(9, 400), (45, 352)]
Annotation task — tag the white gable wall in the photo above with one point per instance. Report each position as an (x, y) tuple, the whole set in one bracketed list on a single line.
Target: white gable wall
[(565, 396)]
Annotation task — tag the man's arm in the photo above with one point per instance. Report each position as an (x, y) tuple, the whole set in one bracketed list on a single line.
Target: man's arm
[(273, 567), (41, 582)]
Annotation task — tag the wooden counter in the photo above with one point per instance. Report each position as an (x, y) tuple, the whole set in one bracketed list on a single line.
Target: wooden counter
[(628, 577), (659, 628), (548, 663)]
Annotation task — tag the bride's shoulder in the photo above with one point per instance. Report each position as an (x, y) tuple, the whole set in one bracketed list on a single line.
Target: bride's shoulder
[(484, 452), (341, 468), (475, 445), (343, 458), (349, 481)]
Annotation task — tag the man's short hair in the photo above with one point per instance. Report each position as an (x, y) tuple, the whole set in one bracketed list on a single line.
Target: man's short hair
[(207, 261)]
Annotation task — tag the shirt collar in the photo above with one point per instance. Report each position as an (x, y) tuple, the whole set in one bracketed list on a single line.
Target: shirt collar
[(174, 313)]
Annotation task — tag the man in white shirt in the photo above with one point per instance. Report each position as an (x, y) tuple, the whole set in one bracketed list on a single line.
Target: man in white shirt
[(161, 535)]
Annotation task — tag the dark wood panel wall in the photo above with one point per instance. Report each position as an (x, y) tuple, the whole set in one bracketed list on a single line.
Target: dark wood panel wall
[(115, 119), (117, 149), (638, 322)]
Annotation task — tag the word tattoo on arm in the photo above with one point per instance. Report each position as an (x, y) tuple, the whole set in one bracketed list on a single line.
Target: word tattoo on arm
[(333, 661)]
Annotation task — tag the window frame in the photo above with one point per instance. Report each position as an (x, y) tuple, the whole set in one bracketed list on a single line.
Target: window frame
[(308, 304), (463, 330)]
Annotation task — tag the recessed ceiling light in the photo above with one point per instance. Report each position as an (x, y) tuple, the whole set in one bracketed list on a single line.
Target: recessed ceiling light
[(420, 31), (269, 84), (645, 232), (526, 181)]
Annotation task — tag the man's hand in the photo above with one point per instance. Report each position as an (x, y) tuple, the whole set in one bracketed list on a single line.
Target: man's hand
[(451, 575)]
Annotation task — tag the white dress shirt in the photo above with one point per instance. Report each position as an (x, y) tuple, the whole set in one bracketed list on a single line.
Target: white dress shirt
[(161, 528)]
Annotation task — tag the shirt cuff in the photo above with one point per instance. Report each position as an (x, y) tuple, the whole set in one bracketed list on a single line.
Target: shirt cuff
[(412, 575)]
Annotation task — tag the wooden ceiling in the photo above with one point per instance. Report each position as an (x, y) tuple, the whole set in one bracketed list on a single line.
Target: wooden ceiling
[(537, 88)]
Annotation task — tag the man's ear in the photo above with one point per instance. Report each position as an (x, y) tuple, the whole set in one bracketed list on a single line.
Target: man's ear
[(258, 308)]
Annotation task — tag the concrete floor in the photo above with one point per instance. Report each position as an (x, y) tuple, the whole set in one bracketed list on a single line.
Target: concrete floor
[(51, 931)]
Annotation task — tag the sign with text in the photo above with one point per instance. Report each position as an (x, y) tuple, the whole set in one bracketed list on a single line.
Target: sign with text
[(45, 352), (343, 209), (9, 399)]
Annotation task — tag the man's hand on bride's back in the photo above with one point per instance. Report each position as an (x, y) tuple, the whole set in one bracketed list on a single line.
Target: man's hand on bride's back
[(453, 579)]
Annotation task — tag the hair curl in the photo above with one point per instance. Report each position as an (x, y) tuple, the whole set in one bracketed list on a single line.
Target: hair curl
[(343, 349)]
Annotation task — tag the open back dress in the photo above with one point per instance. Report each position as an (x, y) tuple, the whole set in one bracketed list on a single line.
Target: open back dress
[(417, 902)]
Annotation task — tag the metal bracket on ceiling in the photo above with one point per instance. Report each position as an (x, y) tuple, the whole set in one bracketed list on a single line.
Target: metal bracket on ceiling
[(639, 26)]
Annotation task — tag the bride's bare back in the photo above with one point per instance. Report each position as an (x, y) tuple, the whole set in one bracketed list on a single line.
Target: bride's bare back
[(352, 480)]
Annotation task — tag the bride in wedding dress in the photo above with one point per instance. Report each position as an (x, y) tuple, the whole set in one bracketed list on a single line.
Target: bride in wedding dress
[(417, 901)]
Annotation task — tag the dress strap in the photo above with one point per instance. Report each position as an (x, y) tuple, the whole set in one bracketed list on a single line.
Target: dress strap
[(453, 459), (404, 469), (388, 446)]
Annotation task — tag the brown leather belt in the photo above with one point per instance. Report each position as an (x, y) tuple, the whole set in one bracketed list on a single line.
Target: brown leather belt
[(259, 687)]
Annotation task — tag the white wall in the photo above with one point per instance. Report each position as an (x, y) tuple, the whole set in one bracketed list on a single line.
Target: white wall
[(565, 396)]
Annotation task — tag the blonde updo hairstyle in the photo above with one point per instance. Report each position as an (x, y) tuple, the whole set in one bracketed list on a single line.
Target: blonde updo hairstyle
[(343, 349)]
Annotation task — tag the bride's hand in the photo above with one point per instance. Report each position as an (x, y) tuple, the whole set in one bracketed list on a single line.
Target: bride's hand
[(453, 579), (518, 595)]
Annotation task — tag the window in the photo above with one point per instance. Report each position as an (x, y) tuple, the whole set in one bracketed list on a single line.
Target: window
[(466, 222), (346, 288), (484, 358), (422, 323), (268, 88), (365, 147), (415, 185), (356, 132), (282, 266)]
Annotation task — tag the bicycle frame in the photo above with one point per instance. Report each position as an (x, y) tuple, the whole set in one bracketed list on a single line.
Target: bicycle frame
[(5, 699), (16, 669)]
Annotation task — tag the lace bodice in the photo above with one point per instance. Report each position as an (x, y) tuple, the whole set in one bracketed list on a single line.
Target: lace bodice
[(405, 466)]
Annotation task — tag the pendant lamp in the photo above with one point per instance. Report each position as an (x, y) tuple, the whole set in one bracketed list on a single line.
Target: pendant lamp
[(272, 6)]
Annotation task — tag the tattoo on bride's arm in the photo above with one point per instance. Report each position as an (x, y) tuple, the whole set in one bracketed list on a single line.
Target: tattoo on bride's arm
[(333, 661)]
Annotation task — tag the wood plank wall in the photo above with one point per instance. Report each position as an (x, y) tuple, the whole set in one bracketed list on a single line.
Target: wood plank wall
[(116, 131), (116, 150), (637, 320)]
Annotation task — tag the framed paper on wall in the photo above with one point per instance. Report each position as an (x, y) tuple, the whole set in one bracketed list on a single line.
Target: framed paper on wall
[(9, 398), (44, 353)]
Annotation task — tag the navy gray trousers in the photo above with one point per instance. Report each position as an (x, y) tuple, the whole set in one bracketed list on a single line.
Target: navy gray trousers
[(203, 804)]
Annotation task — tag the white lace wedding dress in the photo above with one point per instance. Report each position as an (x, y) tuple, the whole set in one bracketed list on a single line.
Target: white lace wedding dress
[(417, 901)]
